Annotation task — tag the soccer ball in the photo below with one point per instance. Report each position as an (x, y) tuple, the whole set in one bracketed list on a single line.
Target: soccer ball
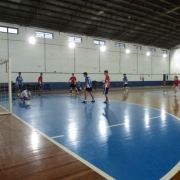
[(165, 92), (28, 103)]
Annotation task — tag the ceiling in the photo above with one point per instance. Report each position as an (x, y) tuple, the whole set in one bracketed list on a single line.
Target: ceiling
[(147, 22)]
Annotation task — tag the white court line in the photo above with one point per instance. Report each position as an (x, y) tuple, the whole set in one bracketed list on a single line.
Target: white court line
[(99, 171), (127, 102), (116, 125), (172, 172), (57, 136), (124, 123), (158, 93), (155, 117), (4, 113)]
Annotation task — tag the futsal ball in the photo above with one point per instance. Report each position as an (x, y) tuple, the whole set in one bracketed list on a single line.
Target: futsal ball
[(28, 103), (165, 92)]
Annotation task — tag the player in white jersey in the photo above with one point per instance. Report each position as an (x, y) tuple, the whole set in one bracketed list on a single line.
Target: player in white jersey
[(25, 95)]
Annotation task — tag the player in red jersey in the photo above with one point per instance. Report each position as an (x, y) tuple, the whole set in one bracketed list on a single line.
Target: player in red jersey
[(106, 86), (176, 85), (40, 81), (73, 84)]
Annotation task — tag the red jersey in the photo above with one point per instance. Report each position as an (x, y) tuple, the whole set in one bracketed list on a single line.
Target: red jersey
[(176, 82), (40, 80), (73, 80), (107, 81)]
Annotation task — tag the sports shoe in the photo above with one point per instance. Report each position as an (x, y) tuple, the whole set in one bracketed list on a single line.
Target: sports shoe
[(84, 102), (93, 101), (106, 102)]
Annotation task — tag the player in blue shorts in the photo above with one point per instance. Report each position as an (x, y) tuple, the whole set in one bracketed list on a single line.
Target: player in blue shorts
[(19, 82), (87, 87)]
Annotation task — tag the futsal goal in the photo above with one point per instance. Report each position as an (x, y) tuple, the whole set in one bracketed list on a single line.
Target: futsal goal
[(5, 87)]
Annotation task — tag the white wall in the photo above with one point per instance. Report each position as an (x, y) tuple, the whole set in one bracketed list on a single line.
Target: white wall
[(175, 62), (54, 55)]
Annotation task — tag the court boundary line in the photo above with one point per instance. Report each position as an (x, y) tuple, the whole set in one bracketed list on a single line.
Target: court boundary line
[(172, 172), (115, 125), (57, 136), (96, 169), (143, 106), (162, 93), (155, 117), (4, 113)]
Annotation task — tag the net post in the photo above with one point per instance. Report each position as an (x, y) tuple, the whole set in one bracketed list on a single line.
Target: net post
[(10, 86)]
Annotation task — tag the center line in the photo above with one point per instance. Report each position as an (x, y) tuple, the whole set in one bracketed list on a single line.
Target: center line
[(116, 125), (57, 136), (155, 117)]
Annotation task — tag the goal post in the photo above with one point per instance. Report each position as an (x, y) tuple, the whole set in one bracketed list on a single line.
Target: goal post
[(5, 87)]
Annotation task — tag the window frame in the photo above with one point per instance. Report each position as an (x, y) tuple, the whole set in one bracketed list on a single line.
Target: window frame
[(120, 45), (152, 50), (8, 30), (44, 35), (137, 47), (164, 51), (99, 42), (75, 37)]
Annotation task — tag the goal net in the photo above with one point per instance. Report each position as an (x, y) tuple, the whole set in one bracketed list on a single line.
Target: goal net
[(5, 87)]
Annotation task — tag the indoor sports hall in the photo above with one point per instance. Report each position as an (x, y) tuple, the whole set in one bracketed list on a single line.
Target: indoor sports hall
[(89, 90)]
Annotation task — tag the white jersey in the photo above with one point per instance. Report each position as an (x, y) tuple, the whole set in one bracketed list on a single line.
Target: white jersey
[(25, 94)]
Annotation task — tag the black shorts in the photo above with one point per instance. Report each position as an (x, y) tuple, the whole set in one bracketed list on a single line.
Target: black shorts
[(105, 90), (125, 85), (20, 87), (72, 86), (89, 89)]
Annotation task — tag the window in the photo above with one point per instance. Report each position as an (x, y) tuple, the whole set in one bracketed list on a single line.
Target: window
[(8, 30), (74, 39), (99, 42), (44, 35), (12, 30), (164, 51), (120, 45), (137, 47), (3, 29), (153, 50)]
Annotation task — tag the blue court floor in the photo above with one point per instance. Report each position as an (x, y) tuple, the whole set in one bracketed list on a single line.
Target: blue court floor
[(127, 141)]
